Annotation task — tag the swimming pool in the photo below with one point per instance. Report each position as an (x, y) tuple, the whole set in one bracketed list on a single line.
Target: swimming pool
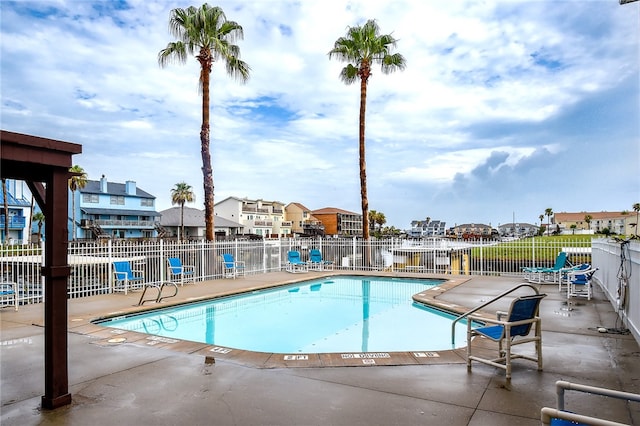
[(334, 314)]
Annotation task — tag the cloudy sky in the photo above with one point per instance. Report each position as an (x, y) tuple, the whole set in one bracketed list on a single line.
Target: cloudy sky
[(505, 108)]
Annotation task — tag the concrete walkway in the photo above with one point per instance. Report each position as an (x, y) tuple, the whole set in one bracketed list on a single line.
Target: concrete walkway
[(138, 383)]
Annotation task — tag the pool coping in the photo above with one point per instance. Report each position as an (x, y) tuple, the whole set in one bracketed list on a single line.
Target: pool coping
[(105, 336)]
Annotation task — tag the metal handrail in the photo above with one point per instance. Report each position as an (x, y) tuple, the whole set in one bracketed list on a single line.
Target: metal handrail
[(477, 308)]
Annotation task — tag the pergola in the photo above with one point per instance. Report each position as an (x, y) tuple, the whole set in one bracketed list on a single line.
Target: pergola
[(44, 165)]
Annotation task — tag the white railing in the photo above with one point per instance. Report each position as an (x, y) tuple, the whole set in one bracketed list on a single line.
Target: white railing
[(92, 274), (619, 277)]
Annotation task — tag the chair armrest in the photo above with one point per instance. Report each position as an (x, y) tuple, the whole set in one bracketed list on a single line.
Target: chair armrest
[(500, 314), (120, 275)]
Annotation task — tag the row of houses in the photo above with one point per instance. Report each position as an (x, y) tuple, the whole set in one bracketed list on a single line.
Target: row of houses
[(104, 209)]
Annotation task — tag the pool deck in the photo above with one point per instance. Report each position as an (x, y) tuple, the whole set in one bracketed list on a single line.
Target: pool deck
[(133, 379)]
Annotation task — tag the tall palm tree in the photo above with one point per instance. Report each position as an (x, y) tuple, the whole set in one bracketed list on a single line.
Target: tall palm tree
[(39, 217), (77, 181), (180, 194), (381, 219), (205, 33), (541, 217), (587, 218), (636, 208), (362, 47), (548, 212)]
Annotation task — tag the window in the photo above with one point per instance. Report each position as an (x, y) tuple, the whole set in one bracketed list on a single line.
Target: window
[(89, 198), (146, 202), (117, 199)]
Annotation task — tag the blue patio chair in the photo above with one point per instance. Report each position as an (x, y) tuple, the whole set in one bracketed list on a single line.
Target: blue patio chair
[(560, 417), (579, 282), (126, 278), (541, 274), (175, 269), (295, 263), (232, 267), (317, 262), (10, 292), (521, 318)]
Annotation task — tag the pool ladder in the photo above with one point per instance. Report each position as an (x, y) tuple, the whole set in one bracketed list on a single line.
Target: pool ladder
[(159, 297), (477, 308)]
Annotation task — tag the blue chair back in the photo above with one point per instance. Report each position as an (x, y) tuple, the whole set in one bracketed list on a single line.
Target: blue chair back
[(175, 265), (123, 269), (525, 307), (294, 257), (315, 256), (561, 260), (228, 260)]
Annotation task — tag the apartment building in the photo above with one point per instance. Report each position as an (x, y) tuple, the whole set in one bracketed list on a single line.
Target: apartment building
[(339, 222), (302, 221), (194, 224), (616, 222), (260, 217), (427, 228), (19, 213), (516, 229), (113, 210), (474, 230)]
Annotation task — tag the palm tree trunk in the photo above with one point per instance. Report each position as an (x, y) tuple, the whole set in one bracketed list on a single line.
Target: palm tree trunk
[(73, 215), (182, 221), (207, 171), (363, 163)]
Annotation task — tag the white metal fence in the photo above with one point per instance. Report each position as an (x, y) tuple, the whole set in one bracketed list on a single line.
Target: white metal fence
[(92, 272), (619, 277)]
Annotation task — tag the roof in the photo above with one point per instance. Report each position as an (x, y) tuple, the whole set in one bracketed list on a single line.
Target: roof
[(333, 210), (93, 187), (300, 206), (13, 201), (250, 200), (194, 218), (123, 212)]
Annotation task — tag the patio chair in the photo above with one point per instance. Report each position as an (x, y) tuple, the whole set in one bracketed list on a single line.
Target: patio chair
[(579, 282), (515, 330), (317, 262), (124, 276), (559, 417), (232, 267), (295, 263), (176, 270), (9, 291), (544, 274)]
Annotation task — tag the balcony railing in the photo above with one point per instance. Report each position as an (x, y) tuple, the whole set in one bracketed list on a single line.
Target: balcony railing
[(263, 223), (108, 223), (15, 222)]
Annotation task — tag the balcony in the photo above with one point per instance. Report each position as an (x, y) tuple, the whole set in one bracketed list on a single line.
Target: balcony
[(137, 224), (263, 223), (15, 222)]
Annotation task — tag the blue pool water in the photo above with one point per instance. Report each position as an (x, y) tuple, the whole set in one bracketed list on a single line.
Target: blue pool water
[(336, 314)]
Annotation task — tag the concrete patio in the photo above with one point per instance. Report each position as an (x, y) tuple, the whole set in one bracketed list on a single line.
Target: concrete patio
[(140, 381)]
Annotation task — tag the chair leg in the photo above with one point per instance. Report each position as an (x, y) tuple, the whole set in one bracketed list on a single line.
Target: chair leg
[(539, 345), (507, 358)]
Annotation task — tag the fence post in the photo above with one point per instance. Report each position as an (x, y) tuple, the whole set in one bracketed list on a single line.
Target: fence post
[(161, 257), (481, 256), (533, 252), (109, 268), (355, 249)]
